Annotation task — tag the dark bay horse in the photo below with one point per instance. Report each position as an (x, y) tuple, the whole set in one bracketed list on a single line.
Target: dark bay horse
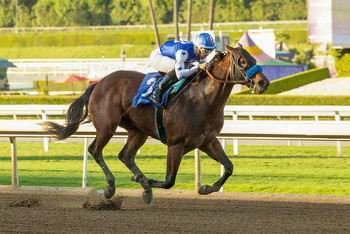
[(193, 120)]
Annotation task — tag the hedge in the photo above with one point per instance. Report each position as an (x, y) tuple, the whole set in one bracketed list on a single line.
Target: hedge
[(295, 81), (342, 65), (79, 39), (39, 99), (252, 99), (291, 100), (64, 39)]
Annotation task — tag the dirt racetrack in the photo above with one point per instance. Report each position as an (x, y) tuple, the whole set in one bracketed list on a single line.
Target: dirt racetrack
[(74, 210)]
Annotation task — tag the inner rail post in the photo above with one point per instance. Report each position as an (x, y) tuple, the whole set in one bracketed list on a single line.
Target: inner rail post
[(197, 162), (15, 182)]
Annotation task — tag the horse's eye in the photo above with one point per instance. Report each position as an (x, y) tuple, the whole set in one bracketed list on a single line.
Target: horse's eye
[(243, 62)]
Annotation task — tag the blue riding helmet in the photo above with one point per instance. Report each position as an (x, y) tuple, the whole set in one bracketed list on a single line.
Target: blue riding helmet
[(205, 41)]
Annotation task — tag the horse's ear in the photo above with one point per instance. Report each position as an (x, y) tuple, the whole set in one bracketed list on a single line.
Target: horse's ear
[(239, 45), (229, 48)]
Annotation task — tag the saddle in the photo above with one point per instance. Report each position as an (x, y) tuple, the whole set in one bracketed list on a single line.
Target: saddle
[(148, 84)]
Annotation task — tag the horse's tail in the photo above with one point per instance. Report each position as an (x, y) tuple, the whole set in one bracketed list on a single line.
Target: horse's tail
[(76, 114)]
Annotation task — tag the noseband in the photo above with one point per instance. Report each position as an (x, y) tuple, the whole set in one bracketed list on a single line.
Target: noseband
[(247, 76)]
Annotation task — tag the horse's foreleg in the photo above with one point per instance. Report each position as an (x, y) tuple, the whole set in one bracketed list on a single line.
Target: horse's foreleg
[(215, 151), (127, 156), (174, 157), (175, 154)]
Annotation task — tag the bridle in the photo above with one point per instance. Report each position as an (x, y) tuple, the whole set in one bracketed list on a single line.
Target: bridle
[(230, 71)]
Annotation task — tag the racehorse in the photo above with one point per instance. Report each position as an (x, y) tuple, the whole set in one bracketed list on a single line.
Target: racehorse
[(192, 120)]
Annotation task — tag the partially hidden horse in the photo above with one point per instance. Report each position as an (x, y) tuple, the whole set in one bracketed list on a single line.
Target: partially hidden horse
[(192, 120)]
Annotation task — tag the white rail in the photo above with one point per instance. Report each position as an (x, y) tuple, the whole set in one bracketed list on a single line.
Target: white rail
[(330, 130), (77, 66), (236, 112), (316, 130)]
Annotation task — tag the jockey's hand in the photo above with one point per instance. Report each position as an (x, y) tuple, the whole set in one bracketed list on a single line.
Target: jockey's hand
[(204, 66)]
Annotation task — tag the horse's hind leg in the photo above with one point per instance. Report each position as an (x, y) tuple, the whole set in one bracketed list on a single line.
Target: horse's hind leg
[(95, 149), (215, 151)]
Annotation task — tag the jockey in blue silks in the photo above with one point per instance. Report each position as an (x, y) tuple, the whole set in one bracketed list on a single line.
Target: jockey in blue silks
[(179, 59)]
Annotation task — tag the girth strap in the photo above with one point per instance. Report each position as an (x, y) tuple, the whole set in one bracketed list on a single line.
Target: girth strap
[(159, 124)]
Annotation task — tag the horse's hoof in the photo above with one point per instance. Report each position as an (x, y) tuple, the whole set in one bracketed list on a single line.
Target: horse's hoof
[(147, 195), (205, 190), (109, 192)]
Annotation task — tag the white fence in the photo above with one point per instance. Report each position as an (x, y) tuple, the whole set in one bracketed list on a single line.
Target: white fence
[(92, 68), (236, 112), (330, 130)]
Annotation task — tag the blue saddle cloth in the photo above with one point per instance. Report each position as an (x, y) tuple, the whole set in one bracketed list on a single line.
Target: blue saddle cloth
[(148, 84)]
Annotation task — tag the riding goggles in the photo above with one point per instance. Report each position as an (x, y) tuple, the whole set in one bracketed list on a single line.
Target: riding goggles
[(205, 51)]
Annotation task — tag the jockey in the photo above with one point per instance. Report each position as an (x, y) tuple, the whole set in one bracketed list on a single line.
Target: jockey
[(179, 59)]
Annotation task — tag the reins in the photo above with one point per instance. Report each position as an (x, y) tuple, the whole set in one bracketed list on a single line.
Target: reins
[(243, 82)]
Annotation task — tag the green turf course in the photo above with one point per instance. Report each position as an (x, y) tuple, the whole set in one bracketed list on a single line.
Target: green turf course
[(263, 169)]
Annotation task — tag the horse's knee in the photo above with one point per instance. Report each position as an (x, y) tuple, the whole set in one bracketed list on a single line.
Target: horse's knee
[(121, 158), (97, 156), (91, 148), (128, 161), (229, 168)]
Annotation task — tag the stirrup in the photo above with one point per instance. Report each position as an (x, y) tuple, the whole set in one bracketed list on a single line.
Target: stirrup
[(155, 96)]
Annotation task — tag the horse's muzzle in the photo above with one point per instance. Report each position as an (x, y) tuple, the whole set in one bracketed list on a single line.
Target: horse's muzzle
[(261, 83)]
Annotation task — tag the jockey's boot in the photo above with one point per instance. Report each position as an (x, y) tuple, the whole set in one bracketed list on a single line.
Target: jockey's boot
[(168, 80)]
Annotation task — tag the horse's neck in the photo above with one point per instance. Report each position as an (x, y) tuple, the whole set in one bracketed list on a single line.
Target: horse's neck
[(215, 93)]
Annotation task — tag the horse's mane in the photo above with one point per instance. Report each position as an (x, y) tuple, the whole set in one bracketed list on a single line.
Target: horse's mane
[(219, 55)]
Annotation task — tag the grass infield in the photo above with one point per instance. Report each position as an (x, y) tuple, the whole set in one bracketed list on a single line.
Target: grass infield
[(258, 168)]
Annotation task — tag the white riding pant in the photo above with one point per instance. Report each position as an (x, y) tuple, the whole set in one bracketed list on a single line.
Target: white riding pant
[(165, 64), (160, 62)]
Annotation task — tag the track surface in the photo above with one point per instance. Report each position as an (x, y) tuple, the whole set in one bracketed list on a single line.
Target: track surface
[(60, 211)]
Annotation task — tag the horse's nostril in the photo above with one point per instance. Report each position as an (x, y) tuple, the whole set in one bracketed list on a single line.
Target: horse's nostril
[(264, 83)]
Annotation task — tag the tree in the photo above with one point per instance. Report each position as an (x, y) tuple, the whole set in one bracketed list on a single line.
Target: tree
[(175, 19), (211, 14), (164, 9), (100, 11), (7, 13), (189, 15), (293, 10), (154, 21), (124, 12), (127, 12), (231, 11)]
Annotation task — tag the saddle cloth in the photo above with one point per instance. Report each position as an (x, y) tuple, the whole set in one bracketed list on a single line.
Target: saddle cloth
[(148, 84)]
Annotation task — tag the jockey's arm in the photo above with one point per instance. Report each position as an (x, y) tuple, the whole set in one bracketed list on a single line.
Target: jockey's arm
[(180, 69)]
